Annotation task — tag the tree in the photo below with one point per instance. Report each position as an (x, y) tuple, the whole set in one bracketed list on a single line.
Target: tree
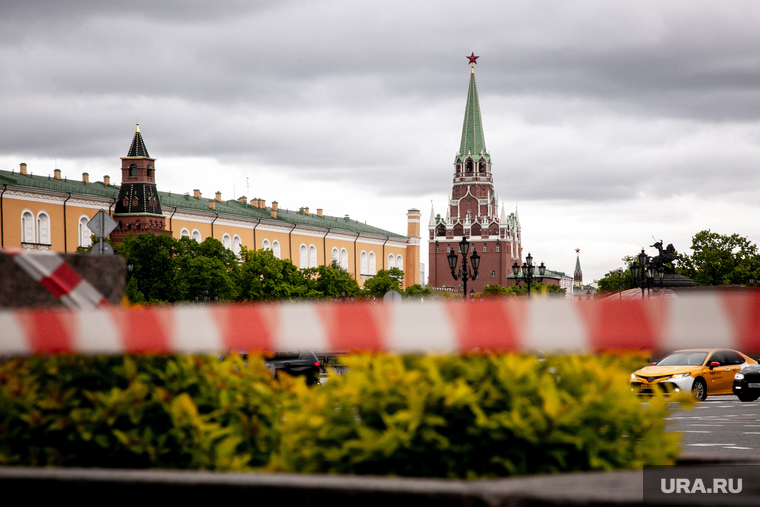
[(720, 259), (609, 282), (154, 268), (417, 290), (384, 281), (265, 277), (333, 281)]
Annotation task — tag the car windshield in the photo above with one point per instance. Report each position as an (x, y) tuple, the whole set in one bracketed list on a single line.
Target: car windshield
[(683, 359)]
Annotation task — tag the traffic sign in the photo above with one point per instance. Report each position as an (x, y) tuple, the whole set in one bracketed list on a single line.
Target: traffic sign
[(101, 248), (101, 224)]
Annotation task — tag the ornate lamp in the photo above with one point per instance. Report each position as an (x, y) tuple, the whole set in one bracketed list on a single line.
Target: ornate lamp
[(452, 258), (464, 246), (542, 269), (516, 269), (643, 257), (475, 259), (635, 271)]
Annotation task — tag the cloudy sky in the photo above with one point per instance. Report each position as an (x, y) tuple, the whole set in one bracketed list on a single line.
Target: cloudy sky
[(608, 122)]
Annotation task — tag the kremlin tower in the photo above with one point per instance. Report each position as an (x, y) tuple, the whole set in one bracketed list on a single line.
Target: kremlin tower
[(473, 211)]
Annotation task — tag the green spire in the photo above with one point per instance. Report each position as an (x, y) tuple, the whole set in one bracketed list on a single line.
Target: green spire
[(473, 141)]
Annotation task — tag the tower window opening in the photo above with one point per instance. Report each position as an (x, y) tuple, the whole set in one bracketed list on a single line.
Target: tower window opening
[(133, 171), (469, 166), (497, 247), (482, 166)]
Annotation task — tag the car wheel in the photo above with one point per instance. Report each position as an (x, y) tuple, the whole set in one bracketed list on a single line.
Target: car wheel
[(747, 397), (699, 389)]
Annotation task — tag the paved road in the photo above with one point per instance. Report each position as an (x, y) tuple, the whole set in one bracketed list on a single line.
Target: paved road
[(720, 423)]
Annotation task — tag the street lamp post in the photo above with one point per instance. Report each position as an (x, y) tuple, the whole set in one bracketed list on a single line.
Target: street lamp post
[(465, 273), (643, 273), (527, 271)]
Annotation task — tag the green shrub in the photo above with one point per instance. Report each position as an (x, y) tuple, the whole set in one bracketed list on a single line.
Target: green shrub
[(473, 417), (171, 412), (463, 416)]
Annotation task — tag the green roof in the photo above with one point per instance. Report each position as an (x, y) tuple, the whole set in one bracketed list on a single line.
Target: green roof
[(473, 142), (173, 200), (49, 183)]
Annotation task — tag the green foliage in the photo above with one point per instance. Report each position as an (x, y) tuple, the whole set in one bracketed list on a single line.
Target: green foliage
[(153, 257), (610, 283), (136, 412), (333, 281), (498, 291), (720, 259), (417, 291), (471, 417), (384, 281)]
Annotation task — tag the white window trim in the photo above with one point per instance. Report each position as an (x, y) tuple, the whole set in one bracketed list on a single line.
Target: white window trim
[(313, 261), (226, 236), (200, 236), (391, 261), (265, 245), (85, 235), (363, 263), (238, 245), (24, 238), (184, 230), (303, 256), (400, 262), (276, 248), (39, 238), (344, 251)]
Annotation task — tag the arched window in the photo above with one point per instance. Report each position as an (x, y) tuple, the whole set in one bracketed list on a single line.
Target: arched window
[(344, 258), (84, 232), (227, 241), (469, 165), (236, 244), (184, 233), (476, 230), (303, 257), (265, 244), (363, 258), (312, 256), (335, 255), (391, 261), (440, 230), (482, 166), (197, 235), (459, 169), (43, 228), (27, 227), (372, 265), (400, 262), (150, 171), (458, 230), (276, 248), (132, 171)]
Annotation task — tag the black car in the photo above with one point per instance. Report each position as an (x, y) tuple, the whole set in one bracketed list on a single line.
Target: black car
[(747, 383), (302, 362)]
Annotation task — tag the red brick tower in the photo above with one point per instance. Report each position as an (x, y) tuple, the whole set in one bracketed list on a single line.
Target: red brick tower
[(138, 210), (473, 211)]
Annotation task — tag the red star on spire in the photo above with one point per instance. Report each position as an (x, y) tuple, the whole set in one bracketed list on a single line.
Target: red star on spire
[(472, 58)]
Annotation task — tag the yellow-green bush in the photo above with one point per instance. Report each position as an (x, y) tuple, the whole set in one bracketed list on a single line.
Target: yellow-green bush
[(473, 417), (469, 416), (171, 412)]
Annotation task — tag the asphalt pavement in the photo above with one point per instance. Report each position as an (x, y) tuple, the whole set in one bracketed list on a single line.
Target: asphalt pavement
[(720, 425)]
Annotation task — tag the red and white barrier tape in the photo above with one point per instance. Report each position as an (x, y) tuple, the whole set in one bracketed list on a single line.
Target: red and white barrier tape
[(551, 326), (51, 271)]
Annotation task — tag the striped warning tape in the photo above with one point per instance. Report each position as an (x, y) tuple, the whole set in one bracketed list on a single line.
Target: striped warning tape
[(551, 326), (51, 271)]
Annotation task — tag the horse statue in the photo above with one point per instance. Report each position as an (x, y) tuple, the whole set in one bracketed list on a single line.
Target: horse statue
[(667, 256)]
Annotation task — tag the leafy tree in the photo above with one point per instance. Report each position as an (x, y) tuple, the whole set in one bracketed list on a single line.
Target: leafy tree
[(154, 268), (720, 259), (609, 282), (265, 277), (384, 281), (331, 281), (497, 291), (417, 290)]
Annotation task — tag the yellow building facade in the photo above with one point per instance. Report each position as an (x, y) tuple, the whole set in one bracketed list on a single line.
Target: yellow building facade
[(51, 212)]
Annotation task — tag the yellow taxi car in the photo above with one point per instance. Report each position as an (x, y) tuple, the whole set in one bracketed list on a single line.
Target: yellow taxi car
[(701, 371)]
